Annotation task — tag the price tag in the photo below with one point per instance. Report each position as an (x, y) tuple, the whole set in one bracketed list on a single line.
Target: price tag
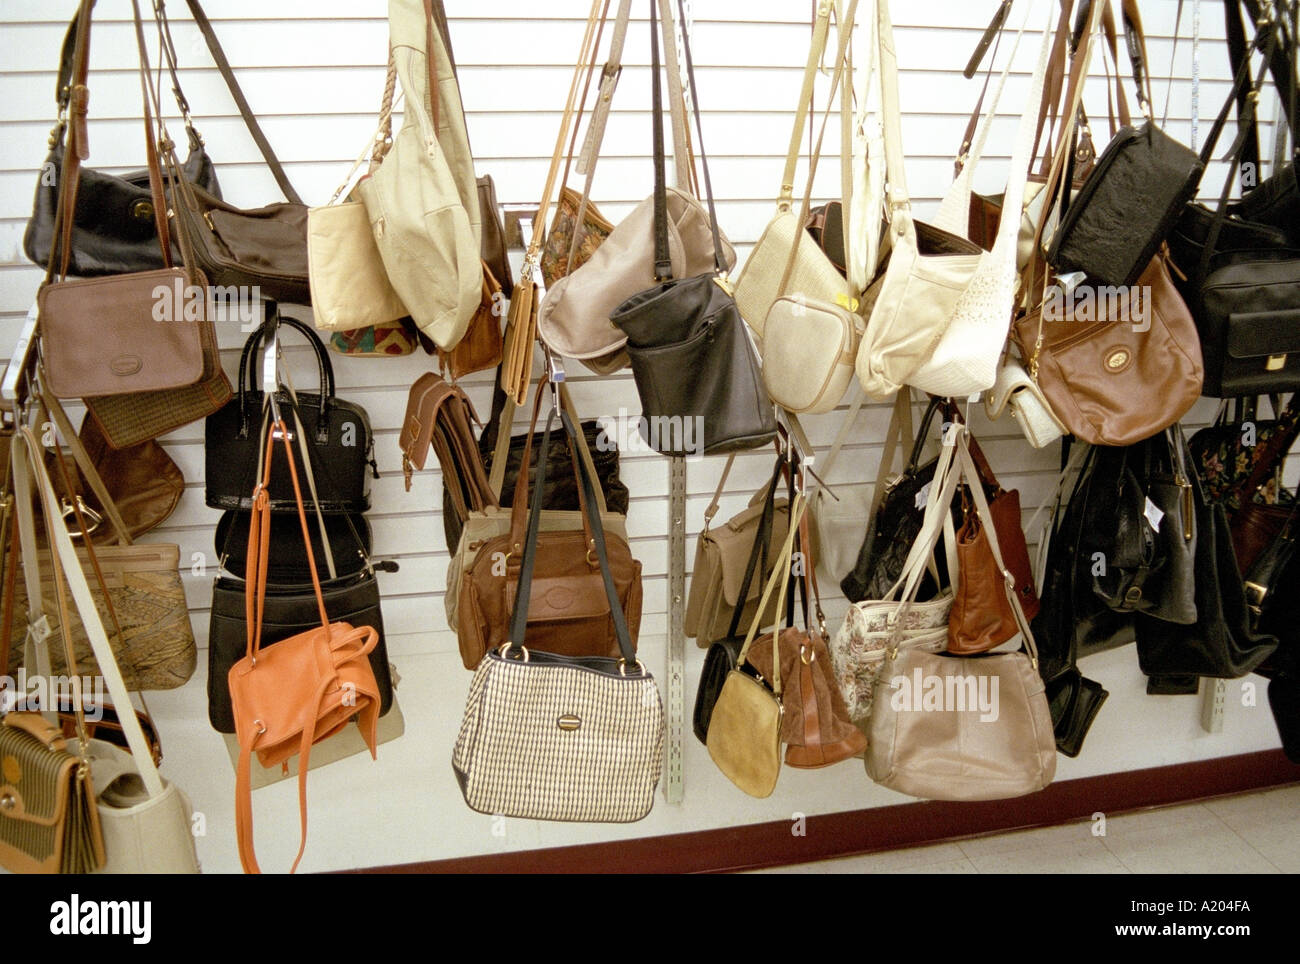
[(924, 495), (1153, 514)]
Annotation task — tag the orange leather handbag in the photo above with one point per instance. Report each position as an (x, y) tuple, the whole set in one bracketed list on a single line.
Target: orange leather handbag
[(303, 689)]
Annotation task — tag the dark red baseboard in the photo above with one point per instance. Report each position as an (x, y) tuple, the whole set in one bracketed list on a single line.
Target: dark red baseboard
[(885, 828)]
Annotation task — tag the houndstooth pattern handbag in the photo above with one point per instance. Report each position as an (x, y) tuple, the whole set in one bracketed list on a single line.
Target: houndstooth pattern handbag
[(552, 737)]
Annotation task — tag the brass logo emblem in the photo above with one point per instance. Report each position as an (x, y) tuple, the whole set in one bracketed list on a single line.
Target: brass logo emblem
[(13, 771), (143, 210), (568, 723), (1118, 359)]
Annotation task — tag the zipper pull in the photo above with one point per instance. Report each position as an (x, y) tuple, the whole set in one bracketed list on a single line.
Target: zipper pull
[(1188, 507)]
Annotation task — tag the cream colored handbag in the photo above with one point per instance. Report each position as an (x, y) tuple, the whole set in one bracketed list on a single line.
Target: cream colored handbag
[(349, 287), (809, 345), (813, 276), (1016, 391), (965, 358), (144, 821), (961, 728), (422, 222), (911, 301)]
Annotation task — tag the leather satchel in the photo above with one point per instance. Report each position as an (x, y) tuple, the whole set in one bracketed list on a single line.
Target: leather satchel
[(481, 347), (338, 431), (113, 230), (568, 613), (287, 697)]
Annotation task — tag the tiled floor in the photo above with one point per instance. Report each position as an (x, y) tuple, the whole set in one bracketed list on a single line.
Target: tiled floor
[(1256, 833)]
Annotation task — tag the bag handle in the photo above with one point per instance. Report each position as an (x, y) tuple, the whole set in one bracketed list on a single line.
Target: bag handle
[(663, 265), (246, 112), (816, 50), (845, 34), (248, 372), (757, 561)]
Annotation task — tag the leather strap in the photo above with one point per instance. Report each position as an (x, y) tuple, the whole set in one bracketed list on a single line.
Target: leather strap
[(757, 562), (845, 34), (250, 119), (778, 578), (816, 50)]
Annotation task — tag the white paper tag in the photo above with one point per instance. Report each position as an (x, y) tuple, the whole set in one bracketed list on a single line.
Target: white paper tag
[(1153, 514), (923, 495)]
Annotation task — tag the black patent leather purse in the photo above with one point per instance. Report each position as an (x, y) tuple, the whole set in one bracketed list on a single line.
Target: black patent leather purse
[(338, 430), (696, 369)]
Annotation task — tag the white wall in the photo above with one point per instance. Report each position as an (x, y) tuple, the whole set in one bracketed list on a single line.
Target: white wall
[(313, 73)]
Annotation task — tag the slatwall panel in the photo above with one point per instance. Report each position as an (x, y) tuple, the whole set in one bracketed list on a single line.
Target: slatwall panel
[(314, 73)]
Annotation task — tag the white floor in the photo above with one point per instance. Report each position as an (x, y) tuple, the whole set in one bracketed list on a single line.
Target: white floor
[(1254, 833)]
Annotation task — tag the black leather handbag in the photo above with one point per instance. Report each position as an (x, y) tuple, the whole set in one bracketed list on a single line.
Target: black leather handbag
[(1138, 539), (349, 538), (1134, 193), (1243, 283), (290, 609), (338, 431), (113, 230), (1220, 644), (894, 528), (696, 368)]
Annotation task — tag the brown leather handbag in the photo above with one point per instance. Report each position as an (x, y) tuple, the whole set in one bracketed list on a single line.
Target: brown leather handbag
[(568, 609), (142, 370), (481, 346), (1119, 372), (981, 617), (290, 696), (815, 724)]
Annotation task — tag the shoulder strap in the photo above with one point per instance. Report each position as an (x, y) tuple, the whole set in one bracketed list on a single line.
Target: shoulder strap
[(816, 50), (250, 119)]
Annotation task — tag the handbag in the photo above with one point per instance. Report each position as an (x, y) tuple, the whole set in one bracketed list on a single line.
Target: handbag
[(1220, 644), (554, 737), (694, 363), (815, 724), (1139, 529), (871, 626), (569, 613), (570, 244), (809, 344), (392, 339), (113, 228), (963, 354), (307, 687), (345, 543), (1240, 288), (770, 269), (728, 558), (349, 286), (1016, 392), (1137, 189), (339, 430), (1117, 373), (896, 513), (744, 735), (972, 745), (137, 589), (481, 347), (423, 223)]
